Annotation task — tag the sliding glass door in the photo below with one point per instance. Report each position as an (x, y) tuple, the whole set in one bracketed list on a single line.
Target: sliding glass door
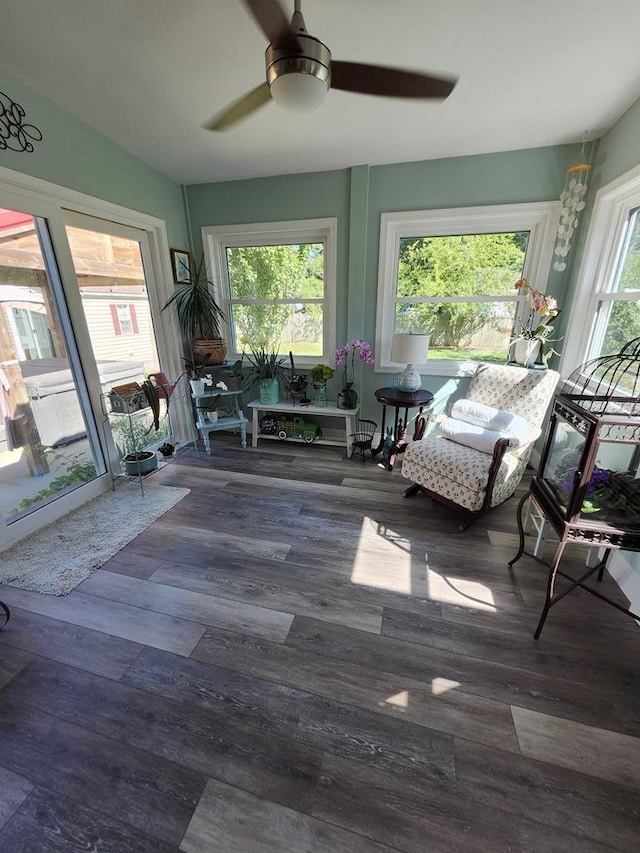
[(48, 438), (109, 262)]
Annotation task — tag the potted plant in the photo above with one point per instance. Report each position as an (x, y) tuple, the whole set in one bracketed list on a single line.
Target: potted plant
[(195, 368), (267, 370), (210, 403), (235, 376), (297, 384), (531, 344), (199, 315), (135, 459), (320, 374), (345, 358)]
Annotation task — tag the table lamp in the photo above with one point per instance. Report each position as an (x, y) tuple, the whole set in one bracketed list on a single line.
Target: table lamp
[(409, 350)]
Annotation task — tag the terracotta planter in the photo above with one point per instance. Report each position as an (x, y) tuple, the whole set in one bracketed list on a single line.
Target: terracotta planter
[(234, 383), (211, 352)]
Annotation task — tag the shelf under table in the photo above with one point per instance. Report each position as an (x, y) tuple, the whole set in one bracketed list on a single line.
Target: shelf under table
[(333, 438)]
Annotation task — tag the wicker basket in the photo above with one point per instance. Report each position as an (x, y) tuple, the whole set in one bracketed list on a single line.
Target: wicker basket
[(211, 352)]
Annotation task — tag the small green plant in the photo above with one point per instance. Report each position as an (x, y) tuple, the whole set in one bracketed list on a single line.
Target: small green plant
[(236, 367), (265, 365), (133, 436), (321, 374)]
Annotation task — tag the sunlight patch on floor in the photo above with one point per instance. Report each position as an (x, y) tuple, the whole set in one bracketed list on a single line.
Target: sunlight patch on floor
[(443, 685), (385, 559), (439, 686), (448, 589)]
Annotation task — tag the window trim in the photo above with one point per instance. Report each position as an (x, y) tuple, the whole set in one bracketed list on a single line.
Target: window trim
[(611, 209), (539, 218), (216, 238)]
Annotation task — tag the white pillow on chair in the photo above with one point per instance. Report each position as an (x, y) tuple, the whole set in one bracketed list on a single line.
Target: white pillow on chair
[(479, 414), (471, 435)]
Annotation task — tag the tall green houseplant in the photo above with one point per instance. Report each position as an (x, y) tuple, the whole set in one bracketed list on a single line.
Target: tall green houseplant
[(199, 315)]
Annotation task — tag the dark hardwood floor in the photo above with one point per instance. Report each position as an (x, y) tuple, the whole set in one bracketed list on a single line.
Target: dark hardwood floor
[(295, 658)]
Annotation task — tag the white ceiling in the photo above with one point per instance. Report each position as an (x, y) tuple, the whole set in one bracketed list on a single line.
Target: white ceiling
[(147, 73)]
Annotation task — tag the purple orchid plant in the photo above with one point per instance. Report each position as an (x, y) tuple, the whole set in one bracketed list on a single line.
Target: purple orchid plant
[(345, 358)]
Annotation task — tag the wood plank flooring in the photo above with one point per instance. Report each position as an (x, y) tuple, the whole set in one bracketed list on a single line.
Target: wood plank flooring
[(295, 658)]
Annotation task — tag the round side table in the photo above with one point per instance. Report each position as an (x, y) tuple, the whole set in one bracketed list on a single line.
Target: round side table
[(398, 400)]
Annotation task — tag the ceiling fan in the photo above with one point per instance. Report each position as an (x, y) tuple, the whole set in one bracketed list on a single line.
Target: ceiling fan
[(300, 71)]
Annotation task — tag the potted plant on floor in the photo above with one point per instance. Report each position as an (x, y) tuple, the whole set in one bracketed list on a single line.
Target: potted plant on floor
[(199, 315), (267, 370)]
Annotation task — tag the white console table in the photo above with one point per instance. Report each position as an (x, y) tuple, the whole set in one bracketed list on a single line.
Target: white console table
[(310, 412)]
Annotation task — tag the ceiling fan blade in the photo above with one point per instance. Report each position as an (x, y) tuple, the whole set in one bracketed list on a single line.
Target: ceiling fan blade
[(274, 23), (390, 82), (239, 109)]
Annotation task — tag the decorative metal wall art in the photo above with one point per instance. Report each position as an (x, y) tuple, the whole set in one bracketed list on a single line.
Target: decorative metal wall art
[(15, 135)]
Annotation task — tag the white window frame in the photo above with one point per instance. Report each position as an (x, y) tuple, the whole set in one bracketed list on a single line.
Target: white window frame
[(540, 219), (605, 241), (217, 238)]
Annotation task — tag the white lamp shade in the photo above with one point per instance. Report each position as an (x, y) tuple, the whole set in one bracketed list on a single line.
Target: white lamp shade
[(410, 349)]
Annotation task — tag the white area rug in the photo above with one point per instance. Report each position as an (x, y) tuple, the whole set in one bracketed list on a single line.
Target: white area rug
[(60, 556)]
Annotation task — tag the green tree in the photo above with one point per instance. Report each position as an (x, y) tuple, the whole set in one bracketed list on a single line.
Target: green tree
[(464, 265), (270, 274)]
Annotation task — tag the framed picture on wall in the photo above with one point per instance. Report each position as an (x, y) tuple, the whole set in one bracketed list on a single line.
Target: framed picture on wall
[(181, 262)]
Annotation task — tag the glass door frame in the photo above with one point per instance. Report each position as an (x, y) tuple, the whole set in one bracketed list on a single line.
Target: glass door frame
[(57, 205)]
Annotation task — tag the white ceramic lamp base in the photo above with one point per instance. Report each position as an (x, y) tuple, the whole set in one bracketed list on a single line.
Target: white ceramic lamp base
[(408, 380)]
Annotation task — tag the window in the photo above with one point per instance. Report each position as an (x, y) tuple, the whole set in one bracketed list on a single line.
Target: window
[(123, 316), (451, 273), (276, 284), (606, 307)]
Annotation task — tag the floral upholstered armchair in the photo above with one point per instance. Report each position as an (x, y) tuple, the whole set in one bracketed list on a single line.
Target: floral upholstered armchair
[(477, 456)]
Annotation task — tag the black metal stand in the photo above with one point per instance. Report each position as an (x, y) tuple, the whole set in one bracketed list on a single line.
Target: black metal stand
[(7, 614), (552, 597)]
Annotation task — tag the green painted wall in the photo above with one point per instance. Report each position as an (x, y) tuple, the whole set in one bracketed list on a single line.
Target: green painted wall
[(620, 148), (358, 196), (75, 156)]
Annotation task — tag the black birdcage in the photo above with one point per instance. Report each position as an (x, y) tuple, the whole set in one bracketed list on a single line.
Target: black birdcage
[(588, 485)]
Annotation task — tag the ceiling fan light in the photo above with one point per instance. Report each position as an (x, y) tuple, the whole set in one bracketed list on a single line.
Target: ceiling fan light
[(299, 81), (299, 92)]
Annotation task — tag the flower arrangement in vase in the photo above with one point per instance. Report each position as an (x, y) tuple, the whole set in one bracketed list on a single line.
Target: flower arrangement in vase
[(531, 344), (345, 358)]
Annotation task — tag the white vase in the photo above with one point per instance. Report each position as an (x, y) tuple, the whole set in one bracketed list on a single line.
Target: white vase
[(524, 351), (213, 417), (197, 386)]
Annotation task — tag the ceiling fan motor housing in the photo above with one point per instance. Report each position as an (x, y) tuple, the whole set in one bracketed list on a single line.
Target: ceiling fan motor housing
[(313, 60)]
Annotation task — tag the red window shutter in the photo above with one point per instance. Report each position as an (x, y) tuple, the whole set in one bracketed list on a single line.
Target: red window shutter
[(116, 321), (134, 319)]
